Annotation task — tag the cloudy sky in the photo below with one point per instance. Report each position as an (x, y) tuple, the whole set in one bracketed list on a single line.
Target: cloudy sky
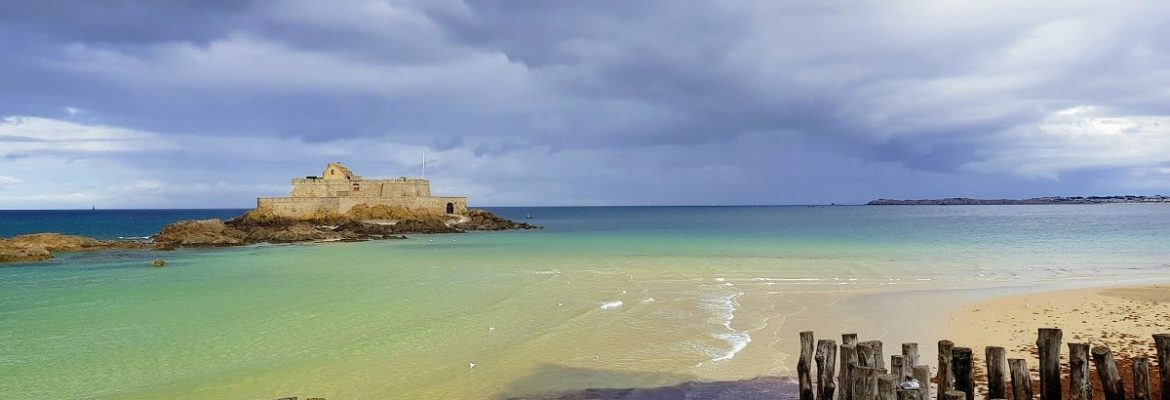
[(144, 104)]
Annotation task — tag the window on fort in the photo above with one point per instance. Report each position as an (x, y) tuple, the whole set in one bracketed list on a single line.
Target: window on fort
[(357, 188)]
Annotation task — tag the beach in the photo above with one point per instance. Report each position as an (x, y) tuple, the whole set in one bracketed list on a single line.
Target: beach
[(665, 298)]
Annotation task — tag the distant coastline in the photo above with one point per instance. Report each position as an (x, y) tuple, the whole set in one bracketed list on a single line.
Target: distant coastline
[(964, 201)]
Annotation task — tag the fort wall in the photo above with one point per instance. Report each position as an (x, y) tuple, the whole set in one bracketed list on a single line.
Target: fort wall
[(402, 187), (338, 190), (298, 207)]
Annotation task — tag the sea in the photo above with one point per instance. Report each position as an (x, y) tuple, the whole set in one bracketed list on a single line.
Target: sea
[(602, 297)]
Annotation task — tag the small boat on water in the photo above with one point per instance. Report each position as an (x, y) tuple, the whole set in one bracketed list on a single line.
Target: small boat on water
[(528, 216)]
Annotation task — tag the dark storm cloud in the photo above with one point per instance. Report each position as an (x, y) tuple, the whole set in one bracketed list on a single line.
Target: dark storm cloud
[(821, 95)]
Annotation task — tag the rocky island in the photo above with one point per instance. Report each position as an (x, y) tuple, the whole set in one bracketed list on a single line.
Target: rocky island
[(964, 201), (337, 206)]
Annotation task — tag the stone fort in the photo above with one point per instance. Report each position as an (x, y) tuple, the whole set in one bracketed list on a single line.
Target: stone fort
[(337, 190)]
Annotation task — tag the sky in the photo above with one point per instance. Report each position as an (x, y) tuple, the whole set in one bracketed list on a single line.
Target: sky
[(210, 104)]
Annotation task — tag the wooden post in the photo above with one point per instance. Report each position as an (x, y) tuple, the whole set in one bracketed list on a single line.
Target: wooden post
[(910, 351), (849, 339), (909, 394), (887, 387), (922, 374), (963, 367), (1048, 342), (804, 366), (1111, 383), (866, 383), (1162, 344), (1079, 385), (996, 378), (946, 378), (898, 367), (1021, 379), (826, 359), (845, 380), (869, 353), (1141, 378), (954, 395)]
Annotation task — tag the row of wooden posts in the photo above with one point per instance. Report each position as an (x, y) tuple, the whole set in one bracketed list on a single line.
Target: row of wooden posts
[(864, 376)]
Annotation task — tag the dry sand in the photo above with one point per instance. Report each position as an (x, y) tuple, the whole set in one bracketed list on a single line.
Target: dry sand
[(1123, 319)]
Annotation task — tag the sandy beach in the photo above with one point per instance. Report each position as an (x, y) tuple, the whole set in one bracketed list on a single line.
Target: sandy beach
[(1121, 318)]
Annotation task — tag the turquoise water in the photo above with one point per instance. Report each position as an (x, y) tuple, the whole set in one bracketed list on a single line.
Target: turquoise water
[(609, 296)]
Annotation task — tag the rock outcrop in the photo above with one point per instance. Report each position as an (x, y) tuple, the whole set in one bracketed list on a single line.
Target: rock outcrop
[(40, 246), (480, 220), (207, 232), (361, 223)]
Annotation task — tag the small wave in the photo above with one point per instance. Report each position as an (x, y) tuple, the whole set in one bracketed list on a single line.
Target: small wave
[(134, 237), (787, 279), (737, 340), (609, 305), (648, 300), (553, 272)]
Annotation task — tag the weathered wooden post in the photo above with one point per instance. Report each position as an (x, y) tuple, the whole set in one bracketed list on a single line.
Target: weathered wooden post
[(826, 358), (866, 383), (1141, 378), (910, 351), (1048, 342), (1079, 385), (869, 353), (922, 374), (1107, 370), (898, 367), (845, 380), (996, 366), (946, 378), (887, 387), (848, 355), (954, 395), (963, 367), (1162, 344), (804, 366), (1021, 379), (909, 394)]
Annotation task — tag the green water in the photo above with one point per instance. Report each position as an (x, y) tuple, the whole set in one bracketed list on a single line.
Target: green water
[(604, 297)]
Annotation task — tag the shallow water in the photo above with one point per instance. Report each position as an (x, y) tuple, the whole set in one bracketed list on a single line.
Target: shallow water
[(603, 297)]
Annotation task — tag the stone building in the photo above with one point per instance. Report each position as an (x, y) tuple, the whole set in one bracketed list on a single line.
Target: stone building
[(338, 189)]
